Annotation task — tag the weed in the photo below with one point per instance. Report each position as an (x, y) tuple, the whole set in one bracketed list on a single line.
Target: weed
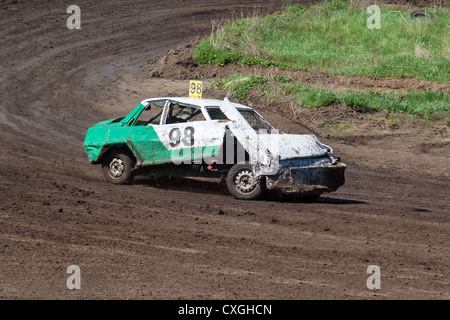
[(336, 127)]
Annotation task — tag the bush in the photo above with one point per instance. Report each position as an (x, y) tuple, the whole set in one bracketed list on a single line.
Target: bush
[(319, 98), (355, 99), (206, 53)]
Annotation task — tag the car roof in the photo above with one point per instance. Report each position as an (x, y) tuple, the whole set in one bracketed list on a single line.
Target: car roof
[(200, 103)]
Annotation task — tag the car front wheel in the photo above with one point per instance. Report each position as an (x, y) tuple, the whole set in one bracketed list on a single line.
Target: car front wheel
[(242, 183), (117, 167)]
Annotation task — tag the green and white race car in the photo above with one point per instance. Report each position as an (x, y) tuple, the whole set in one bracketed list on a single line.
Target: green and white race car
[(213, 138)]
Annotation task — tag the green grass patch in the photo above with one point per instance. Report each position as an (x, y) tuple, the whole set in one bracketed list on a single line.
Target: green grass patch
[(309, 96), (426, 103), (241, 85), (319, 97), (333, 37), (430, 104)]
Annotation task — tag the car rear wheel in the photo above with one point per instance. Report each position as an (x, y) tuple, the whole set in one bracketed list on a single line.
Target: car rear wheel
[(242, 183), (117, 167)]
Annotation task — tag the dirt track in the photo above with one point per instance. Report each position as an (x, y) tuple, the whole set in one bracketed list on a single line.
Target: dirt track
[(167, 240)]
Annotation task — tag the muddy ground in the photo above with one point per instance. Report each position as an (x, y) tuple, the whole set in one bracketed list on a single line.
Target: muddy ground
[(189, 239)]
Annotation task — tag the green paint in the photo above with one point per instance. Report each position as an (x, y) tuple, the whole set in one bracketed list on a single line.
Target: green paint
[(142, 141), (147, 145)]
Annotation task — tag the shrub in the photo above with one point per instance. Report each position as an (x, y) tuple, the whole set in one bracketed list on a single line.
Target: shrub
[(319, 97)]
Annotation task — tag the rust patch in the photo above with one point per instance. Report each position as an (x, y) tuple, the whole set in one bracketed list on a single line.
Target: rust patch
[(138, 156)]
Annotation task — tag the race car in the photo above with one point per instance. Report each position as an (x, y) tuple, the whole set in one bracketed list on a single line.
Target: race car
[(192, 137)]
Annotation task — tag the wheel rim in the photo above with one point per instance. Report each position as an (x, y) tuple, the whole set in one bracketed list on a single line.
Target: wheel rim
[(116, 168), (245, 182)]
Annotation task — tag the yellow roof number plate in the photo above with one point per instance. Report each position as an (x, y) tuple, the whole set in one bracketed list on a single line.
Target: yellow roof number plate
[(195, 89)]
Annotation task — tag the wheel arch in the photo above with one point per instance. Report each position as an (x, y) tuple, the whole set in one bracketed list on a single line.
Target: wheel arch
[(106, 149), (255, 193)]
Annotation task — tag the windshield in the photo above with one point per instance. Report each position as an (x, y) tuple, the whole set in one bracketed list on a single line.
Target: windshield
[(258, 123)]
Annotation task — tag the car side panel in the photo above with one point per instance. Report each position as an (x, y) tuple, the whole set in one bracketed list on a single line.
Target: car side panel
[(192, 141), (146, 145)]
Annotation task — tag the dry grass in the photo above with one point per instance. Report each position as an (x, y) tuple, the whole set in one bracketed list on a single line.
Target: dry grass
[(421, 52)]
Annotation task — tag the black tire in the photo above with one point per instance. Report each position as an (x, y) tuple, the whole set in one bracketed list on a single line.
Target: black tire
[(421, 13), (242, 184), (117, 167)]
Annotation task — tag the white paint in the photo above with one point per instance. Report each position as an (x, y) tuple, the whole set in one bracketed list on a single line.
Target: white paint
[(265, 150), (262, 160), (206, 133), (292, 146)]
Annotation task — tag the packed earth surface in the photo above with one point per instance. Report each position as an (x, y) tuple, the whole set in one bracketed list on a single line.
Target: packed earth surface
[(174, 238)]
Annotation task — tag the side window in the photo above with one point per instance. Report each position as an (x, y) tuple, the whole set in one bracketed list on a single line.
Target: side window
[(255, 120), (180, 114), (151, 115), (216, 114)]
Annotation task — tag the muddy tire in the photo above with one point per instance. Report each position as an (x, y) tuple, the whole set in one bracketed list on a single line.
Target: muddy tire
[(421, 13), (117, 167), (242, 184)]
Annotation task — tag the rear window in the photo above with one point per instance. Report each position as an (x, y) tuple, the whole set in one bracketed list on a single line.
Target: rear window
[(216, 114)]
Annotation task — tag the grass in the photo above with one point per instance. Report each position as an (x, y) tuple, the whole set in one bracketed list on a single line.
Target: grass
[(430, 104), (241, 85), (426, 103), (333, 37)]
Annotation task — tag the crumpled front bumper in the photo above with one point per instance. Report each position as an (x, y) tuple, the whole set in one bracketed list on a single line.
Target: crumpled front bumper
[(307, 176)]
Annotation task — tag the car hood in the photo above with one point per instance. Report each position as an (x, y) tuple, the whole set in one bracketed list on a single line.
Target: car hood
[(293, 146), (108, 122)]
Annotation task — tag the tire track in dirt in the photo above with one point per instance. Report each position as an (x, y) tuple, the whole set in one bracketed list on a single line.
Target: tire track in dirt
[(165, 239)]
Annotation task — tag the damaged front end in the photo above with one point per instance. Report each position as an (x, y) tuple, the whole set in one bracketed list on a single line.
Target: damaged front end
[(307, 176), (292, 164), (305, 166)]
